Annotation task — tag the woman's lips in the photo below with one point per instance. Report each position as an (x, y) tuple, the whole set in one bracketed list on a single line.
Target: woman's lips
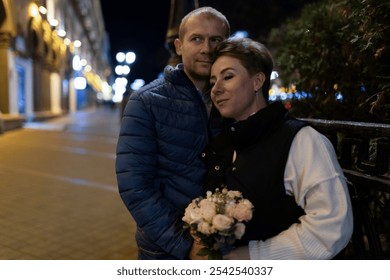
[(221, 101)]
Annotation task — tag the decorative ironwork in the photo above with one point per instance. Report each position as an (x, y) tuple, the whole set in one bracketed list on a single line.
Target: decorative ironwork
[(363, 150)]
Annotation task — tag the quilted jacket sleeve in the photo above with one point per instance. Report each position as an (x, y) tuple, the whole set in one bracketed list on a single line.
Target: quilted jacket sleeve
[(136, 169)]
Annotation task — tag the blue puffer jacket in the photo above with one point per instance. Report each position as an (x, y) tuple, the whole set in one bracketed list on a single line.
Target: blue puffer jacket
[(158, 165)]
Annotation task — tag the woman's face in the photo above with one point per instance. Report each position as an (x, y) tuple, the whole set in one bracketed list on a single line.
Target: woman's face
[(234, 90)]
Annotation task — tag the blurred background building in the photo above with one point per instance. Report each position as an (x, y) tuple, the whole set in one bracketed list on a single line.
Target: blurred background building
[(53, 57)]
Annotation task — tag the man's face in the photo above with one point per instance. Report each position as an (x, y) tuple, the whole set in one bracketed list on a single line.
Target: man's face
[(200, 37)]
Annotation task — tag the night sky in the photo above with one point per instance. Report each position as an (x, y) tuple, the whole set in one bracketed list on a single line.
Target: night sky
[(143, 27), (141, 30)]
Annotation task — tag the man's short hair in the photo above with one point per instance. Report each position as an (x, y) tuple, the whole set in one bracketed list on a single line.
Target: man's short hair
[(209, 12)]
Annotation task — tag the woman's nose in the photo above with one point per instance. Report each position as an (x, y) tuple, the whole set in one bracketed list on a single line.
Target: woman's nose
[(216, 89)]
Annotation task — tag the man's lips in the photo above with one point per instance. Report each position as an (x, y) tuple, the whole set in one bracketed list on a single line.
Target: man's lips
[(204, 61)]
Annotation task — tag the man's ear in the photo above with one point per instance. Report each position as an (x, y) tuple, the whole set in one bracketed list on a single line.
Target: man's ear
[(178, 45), (258, 80)]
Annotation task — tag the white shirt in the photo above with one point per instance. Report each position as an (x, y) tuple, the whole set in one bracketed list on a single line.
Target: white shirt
[(315, 179)]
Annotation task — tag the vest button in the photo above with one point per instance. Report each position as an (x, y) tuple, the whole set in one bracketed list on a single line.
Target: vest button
[(234, 168), (203, 154), (216, 167)]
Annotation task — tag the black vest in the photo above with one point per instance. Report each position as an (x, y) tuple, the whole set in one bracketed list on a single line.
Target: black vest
[(262, 143)]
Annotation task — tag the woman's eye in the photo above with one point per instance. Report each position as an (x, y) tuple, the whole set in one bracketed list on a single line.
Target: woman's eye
[(228, 77)]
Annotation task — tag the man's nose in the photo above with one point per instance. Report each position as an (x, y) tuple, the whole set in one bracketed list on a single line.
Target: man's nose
[(206, 47)]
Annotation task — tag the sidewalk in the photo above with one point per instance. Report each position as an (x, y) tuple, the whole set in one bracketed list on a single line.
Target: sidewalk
[(58, 193)]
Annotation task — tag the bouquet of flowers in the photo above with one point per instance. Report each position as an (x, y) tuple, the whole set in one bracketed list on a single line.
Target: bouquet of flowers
[(217, 220)]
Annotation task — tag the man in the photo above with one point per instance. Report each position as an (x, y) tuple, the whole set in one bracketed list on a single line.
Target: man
[(163, 131)]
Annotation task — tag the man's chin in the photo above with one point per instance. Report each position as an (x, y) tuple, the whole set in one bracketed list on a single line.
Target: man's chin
[(203, 72)]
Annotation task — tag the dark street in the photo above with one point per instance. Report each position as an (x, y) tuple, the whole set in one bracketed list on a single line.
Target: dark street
[(58, 193)]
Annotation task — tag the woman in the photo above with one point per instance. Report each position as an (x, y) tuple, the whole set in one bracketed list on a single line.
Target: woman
[(287, 169)]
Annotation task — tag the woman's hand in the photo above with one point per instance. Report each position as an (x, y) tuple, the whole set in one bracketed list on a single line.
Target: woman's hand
[(196, 246), (240, 253)]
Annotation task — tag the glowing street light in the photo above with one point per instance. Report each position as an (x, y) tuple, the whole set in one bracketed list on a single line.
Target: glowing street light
[(121, 70), (120, 57), (130, 57), (125, 58)]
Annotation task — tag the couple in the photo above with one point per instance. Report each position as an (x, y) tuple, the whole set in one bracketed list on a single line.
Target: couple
[(215, 104)]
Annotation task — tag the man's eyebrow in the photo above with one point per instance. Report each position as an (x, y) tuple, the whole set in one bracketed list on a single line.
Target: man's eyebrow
[(195, 34)]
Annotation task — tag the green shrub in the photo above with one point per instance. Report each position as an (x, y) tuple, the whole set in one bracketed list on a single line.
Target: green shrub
[(337, 47)]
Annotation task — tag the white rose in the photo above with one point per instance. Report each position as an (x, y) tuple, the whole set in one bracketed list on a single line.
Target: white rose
[(239, 230), (192, 213), (234, 194), (230, 208), (243, 210), (205, 228), (208, 210), (222, 222), (247, 203)]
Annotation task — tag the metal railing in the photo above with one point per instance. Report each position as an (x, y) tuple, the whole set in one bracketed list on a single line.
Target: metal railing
[(363, 150)]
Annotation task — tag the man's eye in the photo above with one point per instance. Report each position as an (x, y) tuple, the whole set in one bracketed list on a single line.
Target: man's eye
[(217, 40)]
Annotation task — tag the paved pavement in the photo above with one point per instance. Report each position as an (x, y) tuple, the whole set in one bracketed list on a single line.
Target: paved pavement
[(58, 193)]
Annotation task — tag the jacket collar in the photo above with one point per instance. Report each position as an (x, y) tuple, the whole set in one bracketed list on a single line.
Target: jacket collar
[(248, 132), (176, 75)]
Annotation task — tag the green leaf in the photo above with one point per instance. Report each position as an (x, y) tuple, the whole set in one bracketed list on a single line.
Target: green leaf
[(215, 255), (204, 252)]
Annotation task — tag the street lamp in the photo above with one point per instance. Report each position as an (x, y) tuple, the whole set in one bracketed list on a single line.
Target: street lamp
[(127, 58), (122, 69), (130, 57)]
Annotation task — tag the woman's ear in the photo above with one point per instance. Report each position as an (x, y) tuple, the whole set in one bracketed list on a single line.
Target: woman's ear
[(258, 80), (178, 45)]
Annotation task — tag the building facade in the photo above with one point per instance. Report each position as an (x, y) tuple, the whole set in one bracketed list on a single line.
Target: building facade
[(54, 57)]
